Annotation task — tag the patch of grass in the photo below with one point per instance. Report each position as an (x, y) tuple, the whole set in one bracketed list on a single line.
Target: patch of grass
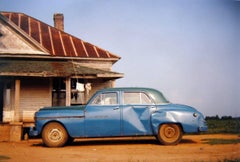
[(230, 160), (217, 141), (2, 157), (225, 160)]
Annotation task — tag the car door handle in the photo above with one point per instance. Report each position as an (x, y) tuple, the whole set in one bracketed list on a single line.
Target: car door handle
[(116, 108), (151, 107)]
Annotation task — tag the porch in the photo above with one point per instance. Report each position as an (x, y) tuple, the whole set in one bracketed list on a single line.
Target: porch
[(27, 86)]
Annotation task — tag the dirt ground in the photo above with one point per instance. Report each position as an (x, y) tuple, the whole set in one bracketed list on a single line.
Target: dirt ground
[(141, 149)]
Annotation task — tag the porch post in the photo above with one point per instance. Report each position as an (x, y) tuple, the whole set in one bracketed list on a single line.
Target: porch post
[(68, 91), (17, 101), (16, 125), (113, 83)]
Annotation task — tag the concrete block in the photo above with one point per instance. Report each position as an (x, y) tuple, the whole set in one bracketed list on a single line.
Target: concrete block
[(16, 131)]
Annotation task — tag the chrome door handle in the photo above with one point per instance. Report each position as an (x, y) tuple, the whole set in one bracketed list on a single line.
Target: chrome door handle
[(116, 108)]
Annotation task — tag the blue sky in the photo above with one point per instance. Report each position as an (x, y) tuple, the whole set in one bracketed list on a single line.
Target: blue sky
[(188, 49)]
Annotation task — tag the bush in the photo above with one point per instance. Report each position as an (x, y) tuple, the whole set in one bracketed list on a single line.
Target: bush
[(223, 125)]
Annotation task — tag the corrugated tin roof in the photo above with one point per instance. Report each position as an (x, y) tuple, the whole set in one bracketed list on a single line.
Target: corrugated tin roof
[(58, 43), (52, 69)]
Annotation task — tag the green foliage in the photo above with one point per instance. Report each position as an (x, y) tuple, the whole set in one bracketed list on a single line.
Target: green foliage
[(223, 125), (224, 160), (2, 157), (216, 141), (230, 160)]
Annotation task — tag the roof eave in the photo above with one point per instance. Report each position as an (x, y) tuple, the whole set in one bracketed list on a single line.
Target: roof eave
[(43, 56), (47, 74), (106, 75)]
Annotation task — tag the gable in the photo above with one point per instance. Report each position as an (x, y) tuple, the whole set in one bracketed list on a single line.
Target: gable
[(12, 43)]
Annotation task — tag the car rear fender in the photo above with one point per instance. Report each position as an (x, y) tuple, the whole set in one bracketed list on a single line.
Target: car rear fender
[(158, 118)]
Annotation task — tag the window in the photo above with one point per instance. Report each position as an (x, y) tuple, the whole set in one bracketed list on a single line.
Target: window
[(105, 99), (138, 98)]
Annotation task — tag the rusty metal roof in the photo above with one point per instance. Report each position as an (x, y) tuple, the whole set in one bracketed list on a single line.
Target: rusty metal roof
[(57, 43), (52, 69)]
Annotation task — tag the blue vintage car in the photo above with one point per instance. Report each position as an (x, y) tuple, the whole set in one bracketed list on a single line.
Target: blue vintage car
[(118, 112)]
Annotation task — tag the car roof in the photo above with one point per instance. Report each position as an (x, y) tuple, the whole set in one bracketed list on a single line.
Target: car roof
[(156, 94), (129, 89)]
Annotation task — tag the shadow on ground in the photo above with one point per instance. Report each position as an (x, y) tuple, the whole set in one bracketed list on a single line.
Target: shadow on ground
[(117, 141)]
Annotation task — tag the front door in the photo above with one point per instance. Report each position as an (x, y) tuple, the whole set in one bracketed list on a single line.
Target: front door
[(102, 116)]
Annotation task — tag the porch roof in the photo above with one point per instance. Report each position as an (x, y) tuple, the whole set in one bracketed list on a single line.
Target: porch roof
[(53, 69)]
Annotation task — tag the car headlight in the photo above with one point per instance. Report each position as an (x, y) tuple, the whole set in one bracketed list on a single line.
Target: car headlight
[(195, 114)]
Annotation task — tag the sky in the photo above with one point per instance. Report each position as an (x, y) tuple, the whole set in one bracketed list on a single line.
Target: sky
[(187, 49)]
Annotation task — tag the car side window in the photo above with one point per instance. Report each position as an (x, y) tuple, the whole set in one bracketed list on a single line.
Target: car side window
[(136, 98), (105, 99)]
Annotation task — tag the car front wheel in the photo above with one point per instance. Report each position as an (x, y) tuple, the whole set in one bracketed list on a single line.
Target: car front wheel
[(54, 135), (169, 134)]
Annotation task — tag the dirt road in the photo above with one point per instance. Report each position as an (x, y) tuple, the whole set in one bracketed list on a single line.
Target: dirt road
[(191, 148)]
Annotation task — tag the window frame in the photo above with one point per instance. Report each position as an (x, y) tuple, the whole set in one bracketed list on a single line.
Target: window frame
[(140, 95), (103, 98)]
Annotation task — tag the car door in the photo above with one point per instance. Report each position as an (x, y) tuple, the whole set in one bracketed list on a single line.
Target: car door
[(137, 108), (102, 115)]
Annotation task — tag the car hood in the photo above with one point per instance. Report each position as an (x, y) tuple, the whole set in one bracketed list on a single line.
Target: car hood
[(70, 111)]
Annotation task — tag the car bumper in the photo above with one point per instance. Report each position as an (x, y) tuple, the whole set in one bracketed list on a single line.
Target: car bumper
[(203, 126), (203, 129), (33, 132)]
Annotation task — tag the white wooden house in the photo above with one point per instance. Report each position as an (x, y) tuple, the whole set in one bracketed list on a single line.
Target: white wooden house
[(41, 65)]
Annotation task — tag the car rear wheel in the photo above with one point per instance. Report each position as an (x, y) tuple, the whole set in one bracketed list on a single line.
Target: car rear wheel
[(54, 135), (169, 134)]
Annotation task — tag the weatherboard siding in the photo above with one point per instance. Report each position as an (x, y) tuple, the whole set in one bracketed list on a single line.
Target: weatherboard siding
[(35, 94)]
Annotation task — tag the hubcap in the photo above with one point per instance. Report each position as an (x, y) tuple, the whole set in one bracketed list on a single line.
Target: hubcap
[(169, 132), (55, 135)]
